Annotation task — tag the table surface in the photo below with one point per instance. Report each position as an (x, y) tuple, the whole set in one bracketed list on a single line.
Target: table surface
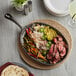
[(9, 31)]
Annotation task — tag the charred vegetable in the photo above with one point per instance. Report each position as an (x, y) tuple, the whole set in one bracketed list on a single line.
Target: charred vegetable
[(45, 44)]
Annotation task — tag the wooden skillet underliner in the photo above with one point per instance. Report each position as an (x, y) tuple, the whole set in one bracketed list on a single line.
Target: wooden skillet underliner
[(37, 65)]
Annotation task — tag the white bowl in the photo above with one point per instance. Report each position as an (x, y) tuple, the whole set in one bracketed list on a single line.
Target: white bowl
[(57, 7)]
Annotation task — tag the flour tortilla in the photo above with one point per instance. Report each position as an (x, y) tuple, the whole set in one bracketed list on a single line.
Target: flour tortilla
[(13, 70)]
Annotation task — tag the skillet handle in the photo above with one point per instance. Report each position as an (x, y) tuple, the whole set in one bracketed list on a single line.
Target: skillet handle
[(10, 17)]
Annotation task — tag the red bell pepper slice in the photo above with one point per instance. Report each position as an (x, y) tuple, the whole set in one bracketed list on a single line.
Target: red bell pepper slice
[(35, 56)]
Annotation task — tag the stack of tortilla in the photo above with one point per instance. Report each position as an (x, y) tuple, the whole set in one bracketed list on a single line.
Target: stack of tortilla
[(13, 70)]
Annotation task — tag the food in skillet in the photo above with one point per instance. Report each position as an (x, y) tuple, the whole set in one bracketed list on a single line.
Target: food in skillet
[(45, 44)]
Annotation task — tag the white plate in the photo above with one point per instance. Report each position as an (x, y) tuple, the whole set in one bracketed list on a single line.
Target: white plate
[(57, 7)]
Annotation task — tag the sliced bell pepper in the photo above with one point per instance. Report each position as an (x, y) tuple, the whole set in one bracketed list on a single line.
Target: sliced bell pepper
[(34, 50), (40, 56), (35, 56), (27, 31)]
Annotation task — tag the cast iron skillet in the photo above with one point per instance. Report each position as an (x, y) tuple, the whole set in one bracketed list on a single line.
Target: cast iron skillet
[(23, 32)]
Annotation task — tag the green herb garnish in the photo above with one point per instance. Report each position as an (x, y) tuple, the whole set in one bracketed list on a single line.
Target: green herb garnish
[(18, 2)]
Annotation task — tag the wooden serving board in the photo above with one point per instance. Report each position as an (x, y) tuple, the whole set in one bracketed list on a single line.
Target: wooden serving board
[(37, 65)]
